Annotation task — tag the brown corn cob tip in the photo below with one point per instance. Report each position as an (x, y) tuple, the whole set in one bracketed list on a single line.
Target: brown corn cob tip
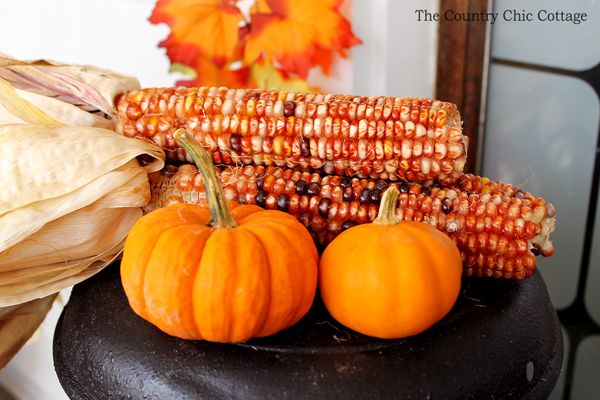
[(499, 229), (391, 138)]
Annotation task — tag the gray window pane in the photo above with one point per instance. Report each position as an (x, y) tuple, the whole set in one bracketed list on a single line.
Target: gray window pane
[(586, 385), (541, 133), (551, 43)]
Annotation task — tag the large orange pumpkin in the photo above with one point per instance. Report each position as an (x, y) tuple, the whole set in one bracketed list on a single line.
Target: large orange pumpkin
[(218, 274), (390, 278)]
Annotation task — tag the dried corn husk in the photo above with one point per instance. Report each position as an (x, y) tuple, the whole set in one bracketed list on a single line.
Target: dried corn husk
[(88, 87), (58, 194), (18, 324), (65, 167), (72, 188), (71, 193)]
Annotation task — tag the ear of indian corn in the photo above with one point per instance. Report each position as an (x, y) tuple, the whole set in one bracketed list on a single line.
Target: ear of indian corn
[(391, 138), (499, 229)]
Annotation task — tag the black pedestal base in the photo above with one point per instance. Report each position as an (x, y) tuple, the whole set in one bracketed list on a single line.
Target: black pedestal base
[(102, 350)]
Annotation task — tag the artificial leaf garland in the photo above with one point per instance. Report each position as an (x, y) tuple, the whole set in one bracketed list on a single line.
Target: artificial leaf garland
[(288, 37), (296, 33), (202, 27)]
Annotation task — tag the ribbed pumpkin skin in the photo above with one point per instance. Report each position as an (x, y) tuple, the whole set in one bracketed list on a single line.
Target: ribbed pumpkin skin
[(219, 284), (390, 281)]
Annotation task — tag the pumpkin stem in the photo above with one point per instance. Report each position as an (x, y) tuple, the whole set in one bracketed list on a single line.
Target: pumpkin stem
[(387, 209), (217, 203)]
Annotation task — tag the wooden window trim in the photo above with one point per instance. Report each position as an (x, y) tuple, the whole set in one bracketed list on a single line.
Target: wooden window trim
[(462, 66)]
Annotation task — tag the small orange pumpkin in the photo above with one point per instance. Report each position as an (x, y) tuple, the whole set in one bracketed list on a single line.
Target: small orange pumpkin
[(218, 274), (390, 279)]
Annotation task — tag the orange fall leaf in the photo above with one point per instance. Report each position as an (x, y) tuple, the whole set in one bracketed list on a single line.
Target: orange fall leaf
[(206, 27), (298, 34)]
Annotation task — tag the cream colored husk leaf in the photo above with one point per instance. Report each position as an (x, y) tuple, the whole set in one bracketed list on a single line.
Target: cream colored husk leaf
[(71, 192)]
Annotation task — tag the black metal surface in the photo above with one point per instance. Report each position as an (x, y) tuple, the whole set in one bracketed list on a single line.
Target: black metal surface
[(102, 350)]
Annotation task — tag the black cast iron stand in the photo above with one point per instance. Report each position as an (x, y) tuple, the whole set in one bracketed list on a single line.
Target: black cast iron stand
[(102, 350)]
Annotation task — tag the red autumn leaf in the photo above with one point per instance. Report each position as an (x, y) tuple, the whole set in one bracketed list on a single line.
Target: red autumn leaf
[(199, 27), (297, 34)]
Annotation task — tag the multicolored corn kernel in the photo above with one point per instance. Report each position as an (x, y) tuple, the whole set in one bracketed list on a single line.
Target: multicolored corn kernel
[(497, 229), (390, 138)]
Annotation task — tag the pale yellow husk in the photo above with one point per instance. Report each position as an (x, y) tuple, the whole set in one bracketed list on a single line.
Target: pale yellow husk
[(71, 188), (62, 112), (23, 109)]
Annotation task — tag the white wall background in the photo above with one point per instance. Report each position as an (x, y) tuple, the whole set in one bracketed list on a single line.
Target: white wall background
[(116, 34)]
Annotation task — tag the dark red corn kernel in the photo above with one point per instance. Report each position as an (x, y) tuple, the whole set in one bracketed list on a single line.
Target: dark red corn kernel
[(305, 219), (447, 206), (345, 182), (425, 191), (261, 198), (375, 196), (236, 142), (348, 194), (314, 188), (324, 205), (301, 187), (305, 148), (365, 197), (381, 185), (168, 171), (289, 108), (348, 224), (283, 202), (404, 187), (260, 181)]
